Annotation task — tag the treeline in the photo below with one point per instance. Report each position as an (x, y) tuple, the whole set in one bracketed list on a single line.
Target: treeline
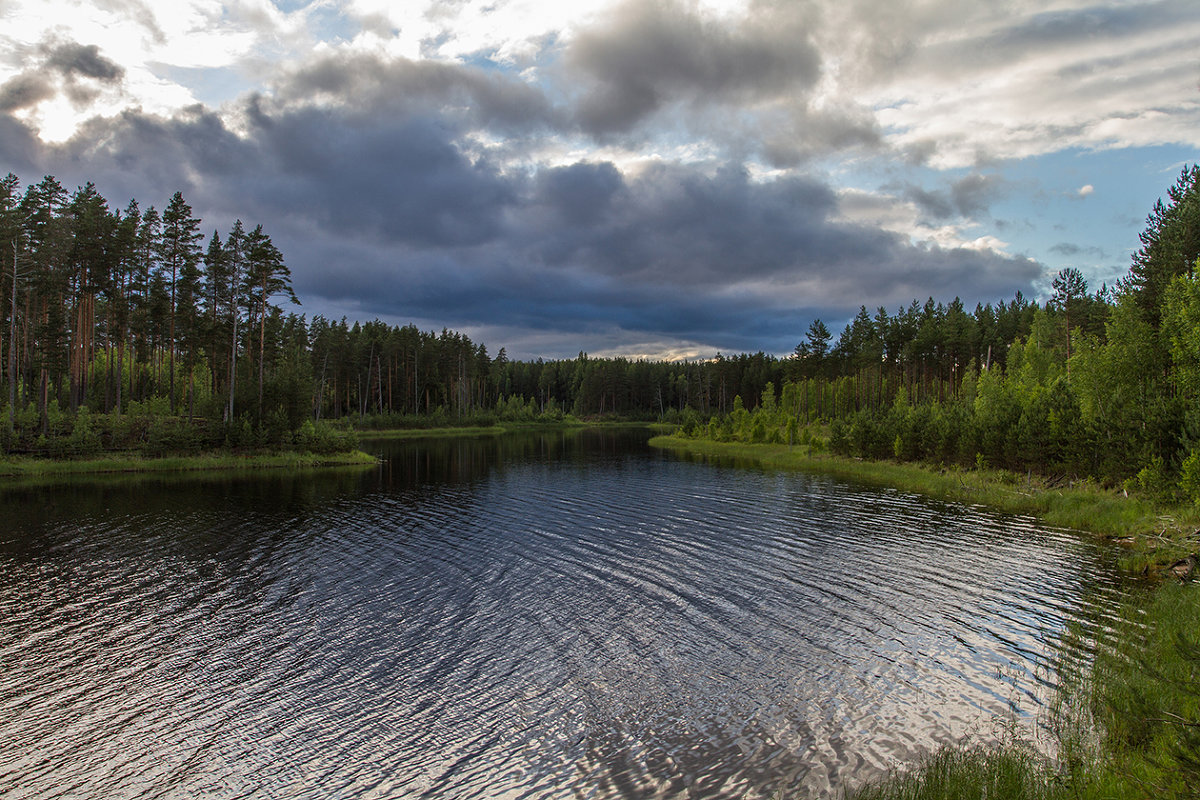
[(106, 311), (1103, 385), (119, 311)]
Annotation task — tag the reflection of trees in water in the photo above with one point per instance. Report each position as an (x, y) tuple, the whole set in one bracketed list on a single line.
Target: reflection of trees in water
[(83, 496), (467, 460)]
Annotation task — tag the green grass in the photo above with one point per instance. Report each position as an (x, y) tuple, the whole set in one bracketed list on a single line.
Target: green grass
[(1004, 772), (1127, 725), (34, 468), (1159, 534), (431, 433)]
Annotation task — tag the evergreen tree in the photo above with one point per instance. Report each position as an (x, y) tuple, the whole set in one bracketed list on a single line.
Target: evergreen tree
[(1070, 292), (92, 248), (1170, 245), (178, 251), (119, 288), (10, 236), (235, 257), (266, 276)]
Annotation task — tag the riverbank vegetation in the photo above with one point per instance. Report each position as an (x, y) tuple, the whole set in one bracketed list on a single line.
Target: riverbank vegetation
[(122, 332), (1166, 532), (1095, 389), (1125, 720), (1090, 419), (1125, 725), (43, 468), (123, 311)]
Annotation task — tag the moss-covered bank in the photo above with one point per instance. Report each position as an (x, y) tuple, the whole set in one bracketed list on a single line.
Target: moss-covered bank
[(1156, 535), (500, 428), (17, 468)]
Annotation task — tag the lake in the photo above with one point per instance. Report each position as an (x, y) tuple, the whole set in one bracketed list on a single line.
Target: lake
[(561, 614)]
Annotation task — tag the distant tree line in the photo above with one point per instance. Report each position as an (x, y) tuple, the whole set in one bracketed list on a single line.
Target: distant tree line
[(130, 317)]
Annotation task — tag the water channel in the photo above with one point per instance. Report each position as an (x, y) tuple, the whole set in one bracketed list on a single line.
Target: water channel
[(567, 614)]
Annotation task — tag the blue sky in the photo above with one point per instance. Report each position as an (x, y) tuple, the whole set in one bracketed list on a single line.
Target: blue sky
[(660, 178)]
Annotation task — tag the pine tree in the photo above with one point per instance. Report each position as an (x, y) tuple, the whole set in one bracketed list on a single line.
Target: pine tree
[(49, 233), (11, 234), (266, 277), (93, 227), (179, 254), (1170, 245), (216, 290), (235, 258), (143, 317), (121, 286), (1070, 290)]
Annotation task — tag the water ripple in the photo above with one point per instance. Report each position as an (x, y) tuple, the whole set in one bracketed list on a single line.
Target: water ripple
[(525, 619)]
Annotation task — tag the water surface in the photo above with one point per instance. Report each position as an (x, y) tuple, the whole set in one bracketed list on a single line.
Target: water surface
[(557, 615)]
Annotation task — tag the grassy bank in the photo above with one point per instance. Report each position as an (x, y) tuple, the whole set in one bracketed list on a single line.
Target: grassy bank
[(1156, 535), (41, 468), (1127, 725), (432, 433), (501, 428)]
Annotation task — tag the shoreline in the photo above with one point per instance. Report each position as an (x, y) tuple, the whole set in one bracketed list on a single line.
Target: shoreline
[(13, 470), (1158, 662), (1155, 535)]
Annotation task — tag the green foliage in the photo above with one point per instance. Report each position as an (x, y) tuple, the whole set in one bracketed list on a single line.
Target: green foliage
[(84, 439), (323, 438), (1189, 476), (1147, 693), (1012, 772), (1086, 385), (1181, 329)]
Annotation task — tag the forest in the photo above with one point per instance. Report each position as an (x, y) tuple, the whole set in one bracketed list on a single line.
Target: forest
[(133, 329)]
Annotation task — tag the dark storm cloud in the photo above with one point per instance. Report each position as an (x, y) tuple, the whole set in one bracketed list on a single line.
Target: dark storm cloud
[(390, 209), (579, 195), (401, 179), (73, 59), (653, 54), (973, 195), (673, 253), (69, 61), (149, 157), (935, 204), (674, 225), (970, 196), (488, 99), (23, 91), (20, 149)]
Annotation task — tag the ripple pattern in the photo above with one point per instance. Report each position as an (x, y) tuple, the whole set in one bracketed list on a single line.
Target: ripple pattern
[(583, 620)]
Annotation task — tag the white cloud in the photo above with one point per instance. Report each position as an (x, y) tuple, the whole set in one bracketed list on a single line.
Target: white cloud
[(903, 216), (960, 81), (1036, 82), (1086, 189)]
